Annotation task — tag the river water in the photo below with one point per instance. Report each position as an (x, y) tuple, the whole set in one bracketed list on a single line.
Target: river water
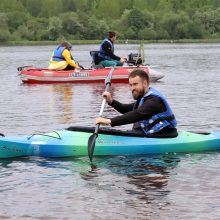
[(170, 186)]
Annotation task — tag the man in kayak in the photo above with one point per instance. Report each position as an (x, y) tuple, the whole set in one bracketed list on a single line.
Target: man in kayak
[(151, 113), (106, 54), (62, 59)]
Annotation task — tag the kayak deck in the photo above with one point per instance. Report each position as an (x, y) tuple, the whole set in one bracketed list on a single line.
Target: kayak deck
[(66, 143)]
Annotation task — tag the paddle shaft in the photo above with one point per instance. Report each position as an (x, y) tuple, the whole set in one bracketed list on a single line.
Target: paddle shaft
[(102, 107), (92, 138)]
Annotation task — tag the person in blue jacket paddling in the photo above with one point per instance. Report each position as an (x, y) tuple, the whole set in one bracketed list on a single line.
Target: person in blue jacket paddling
[(150, 114), (106, 54)]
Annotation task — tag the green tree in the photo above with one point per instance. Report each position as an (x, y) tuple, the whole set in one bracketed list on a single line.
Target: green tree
[(137, 19), (147, 34), (210, 20), (55, 28), (34, 7), (23, 33), (96, 29), (108, 9), (130, 33), (40, 28), (145, 4), (196, 29), (92, 19), (4, 20), (134, 21), (125, 5), (11, 5), (4, 32), (51, 8), (71, 24), (15, 19), (177, 25), (69, 5), (4, 35)]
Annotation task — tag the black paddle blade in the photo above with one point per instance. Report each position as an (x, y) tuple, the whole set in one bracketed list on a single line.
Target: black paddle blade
[(91, 145)]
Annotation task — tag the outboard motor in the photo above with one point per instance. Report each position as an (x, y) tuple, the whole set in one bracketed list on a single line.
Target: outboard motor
[(135, 59)]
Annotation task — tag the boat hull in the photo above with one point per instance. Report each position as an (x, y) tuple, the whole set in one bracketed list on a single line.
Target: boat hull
[(120, 75), (66, 143)]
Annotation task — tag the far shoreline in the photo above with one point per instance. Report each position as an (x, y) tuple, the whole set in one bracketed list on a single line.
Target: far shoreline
[(81, 42)]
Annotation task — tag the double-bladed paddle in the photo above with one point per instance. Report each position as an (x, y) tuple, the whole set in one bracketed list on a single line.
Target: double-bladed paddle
[(92, 138)]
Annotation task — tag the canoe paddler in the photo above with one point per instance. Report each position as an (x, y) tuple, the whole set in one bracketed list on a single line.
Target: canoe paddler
[(62, 59), (150, 114), (106, 54)]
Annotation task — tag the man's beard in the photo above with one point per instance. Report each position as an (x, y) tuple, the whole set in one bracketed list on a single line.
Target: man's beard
[(138, 94)]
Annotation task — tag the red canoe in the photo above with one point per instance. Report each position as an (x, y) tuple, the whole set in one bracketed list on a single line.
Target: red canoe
[(120, 74)]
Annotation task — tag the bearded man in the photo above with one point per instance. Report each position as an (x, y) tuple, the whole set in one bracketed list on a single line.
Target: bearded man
[(150, 114)]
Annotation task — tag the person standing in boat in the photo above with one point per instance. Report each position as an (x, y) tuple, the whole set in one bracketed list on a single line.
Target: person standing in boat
[(150, 113), (62, 59), (106, 54)]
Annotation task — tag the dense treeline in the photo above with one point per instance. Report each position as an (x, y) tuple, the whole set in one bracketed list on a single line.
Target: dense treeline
[(40, 20)]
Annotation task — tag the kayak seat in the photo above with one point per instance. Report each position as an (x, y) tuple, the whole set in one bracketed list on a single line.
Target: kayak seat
[(130, 133)]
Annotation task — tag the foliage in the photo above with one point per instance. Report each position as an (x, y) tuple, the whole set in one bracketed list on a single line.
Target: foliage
[(4, 35), (37, 20)]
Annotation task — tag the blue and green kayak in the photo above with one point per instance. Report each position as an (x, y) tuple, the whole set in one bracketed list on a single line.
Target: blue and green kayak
[(74, 142)]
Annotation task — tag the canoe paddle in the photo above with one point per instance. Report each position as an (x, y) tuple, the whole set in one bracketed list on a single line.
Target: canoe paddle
[(92, 138)]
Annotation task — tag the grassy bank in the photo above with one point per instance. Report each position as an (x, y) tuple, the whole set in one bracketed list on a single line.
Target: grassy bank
[(79, 42)]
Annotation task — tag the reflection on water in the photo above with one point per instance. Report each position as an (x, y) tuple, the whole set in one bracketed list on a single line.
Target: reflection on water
[(63, 95), (154, 187), (60, 99), (122, 187), (146, 179)]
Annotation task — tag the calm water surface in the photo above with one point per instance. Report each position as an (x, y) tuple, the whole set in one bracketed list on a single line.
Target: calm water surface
[(171, 186)]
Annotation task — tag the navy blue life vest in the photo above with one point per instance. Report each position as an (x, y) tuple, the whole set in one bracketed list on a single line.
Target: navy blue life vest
[(103, 53), (57, 56), (160, 120)]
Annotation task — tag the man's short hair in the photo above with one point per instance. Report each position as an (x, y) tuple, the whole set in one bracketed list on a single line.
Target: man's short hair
[(111, 34), (141, 73)]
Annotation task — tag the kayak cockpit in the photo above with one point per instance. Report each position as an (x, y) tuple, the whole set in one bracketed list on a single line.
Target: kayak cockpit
[(128, 133)]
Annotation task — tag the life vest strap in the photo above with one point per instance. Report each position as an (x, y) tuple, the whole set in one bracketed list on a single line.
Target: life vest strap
[(59, 57), (167, 118)]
